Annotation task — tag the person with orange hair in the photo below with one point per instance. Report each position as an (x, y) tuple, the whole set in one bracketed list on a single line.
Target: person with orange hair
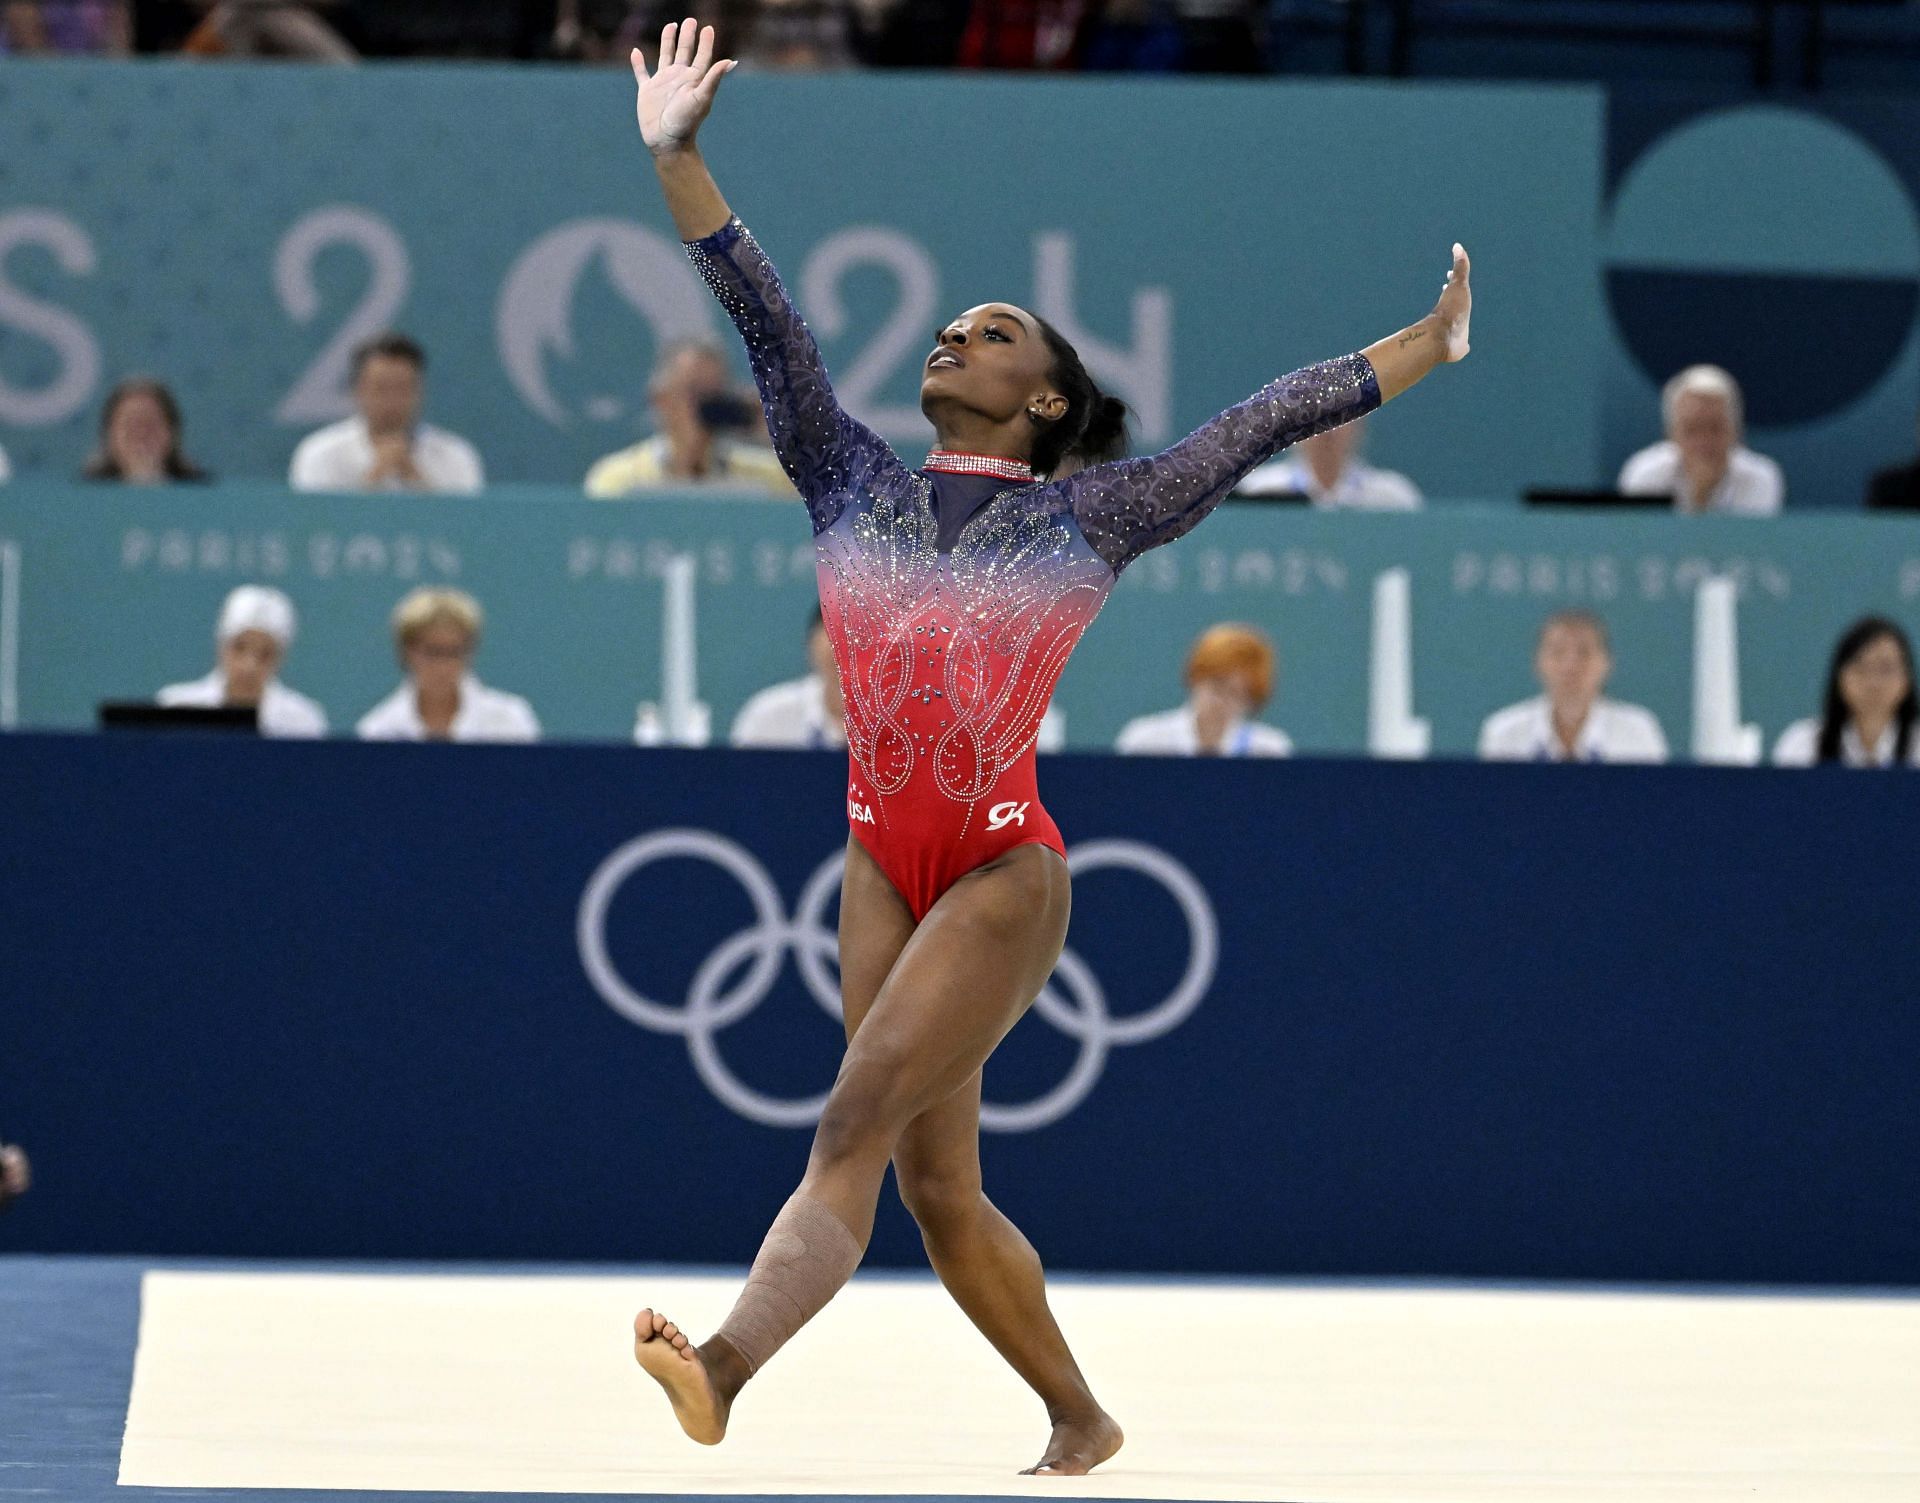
[(1230, 676)]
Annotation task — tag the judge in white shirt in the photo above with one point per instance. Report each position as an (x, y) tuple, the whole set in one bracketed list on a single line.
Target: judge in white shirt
[(385, 446), (1702, 463), (804, 711), (1327, 469), (1572, 722), (1867, 718), (809, 712), (1230, 674), (251, 639), (436, 633)]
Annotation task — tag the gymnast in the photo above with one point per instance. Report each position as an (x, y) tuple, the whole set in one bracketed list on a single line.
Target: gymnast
[(953, 592)]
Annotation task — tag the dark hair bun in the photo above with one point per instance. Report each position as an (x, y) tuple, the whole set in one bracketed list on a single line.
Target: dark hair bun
[(1105, 436)]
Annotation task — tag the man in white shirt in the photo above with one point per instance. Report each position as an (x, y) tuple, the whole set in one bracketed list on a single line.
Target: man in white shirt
[(1328, 471), (385, 446), (436, 633), (1571, 722), (1702, 463), (1230, 675), (802, 711), (705, 435), (251, 640)]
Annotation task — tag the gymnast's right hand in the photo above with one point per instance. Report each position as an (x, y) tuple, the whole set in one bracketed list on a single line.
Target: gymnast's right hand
[(678, 94)]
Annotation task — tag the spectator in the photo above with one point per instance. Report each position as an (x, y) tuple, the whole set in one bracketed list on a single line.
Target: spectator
[(1230, 675), (802, 711), (140, 430), (385, 446), (98, 27), (1328, 471), (1896, 488), (1866, 718), (1702, 463), (436, 632), (268, 28), (1571, 722), (16, 1174), (703, 433), (250, 644), (799, 34)]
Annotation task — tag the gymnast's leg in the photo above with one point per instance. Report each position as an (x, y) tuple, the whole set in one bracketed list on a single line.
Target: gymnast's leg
[(962, 979), (994, 1275)]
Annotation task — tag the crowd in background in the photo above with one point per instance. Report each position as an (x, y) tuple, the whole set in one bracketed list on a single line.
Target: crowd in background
[(708, 432)]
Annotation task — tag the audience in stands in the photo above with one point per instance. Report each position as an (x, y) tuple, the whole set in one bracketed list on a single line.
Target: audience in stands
[(1328, 471), (1230, 677), (1867, 714), (806, 711), (1702, 463), (1571, 721), (384, 446), (706, 433), (1896, 488), (436, 633), (16, 1174), (250, 645), (140, 428), (101, 28), (268, 28)]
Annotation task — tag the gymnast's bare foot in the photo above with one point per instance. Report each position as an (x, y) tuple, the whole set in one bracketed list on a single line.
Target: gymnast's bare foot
[(675, 1363), (1078, 1445)]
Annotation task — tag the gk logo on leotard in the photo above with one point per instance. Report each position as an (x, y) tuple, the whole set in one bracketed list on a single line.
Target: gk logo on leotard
[(1009, 813), (739, 972)]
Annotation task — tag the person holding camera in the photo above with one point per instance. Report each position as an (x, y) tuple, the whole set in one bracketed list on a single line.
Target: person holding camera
[(707, 434)]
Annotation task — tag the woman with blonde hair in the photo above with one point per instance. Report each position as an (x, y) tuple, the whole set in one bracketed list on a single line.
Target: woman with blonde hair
[(435, 633)]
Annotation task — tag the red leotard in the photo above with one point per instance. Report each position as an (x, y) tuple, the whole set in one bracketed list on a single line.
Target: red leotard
[(954, 600)]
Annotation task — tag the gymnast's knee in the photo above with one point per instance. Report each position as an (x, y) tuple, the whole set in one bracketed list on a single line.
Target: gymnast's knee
[(860, 1124), (946, 1202)]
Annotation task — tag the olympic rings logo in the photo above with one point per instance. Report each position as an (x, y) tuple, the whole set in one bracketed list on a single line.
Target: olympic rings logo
[(1073, 1000)]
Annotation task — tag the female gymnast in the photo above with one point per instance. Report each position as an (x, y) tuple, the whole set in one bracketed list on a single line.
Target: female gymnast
[(953, 593)]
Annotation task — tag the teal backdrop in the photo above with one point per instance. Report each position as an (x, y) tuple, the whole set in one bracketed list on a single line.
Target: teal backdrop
[(117, 591), (236, 229)]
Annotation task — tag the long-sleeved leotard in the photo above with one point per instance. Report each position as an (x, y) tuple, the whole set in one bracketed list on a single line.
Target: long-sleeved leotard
[(954, 600)]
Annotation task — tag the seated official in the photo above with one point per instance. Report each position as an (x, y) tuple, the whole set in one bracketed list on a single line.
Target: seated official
[(140, 436), (1896, 488), (806, 711), (1867, 714), (1702, 462), (385, 446), (706, 434), (809, 711), (436, 633), (1328, 471), (255, 630), (1571, 722), (1230, 678)]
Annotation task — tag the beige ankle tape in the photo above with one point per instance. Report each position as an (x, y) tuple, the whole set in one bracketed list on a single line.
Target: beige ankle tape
[(808, 1255)]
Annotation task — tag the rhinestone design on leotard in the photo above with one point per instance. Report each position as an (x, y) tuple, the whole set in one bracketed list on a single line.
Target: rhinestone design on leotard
[(948, 656)]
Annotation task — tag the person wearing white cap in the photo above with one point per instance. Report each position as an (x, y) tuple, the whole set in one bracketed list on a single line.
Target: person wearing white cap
[(251, 641), (436, 633)]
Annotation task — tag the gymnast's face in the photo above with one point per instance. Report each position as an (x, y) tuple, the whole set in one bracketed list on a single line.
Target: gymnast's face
[(991, 362)]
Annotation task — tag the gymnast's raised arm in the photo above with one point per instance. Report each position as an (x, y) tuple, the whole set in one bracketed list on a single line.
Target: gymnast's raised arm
[(1129, 506), (822, 447)]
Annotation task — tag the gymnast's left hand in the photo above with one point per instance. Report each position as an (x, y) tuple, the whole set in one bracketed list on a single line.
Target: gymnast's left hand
[(1455, 309)]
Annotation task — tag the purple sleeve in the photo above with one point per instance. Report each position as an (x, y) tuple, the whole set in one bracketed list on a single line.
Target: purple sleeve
[(825, 451), (1132, 505)]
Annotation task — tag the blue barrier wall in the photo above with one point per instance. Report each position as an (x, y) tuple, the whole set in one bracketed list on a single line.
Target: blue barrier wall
[(331, 1001)]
